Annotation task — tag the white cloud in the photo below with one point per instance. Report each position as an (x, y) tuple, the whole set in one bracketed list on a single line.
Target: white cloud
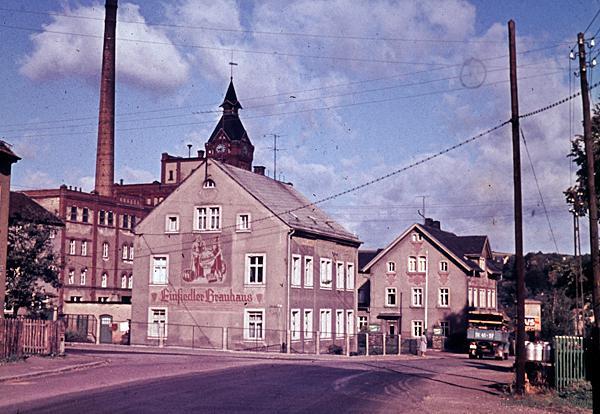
[(155, 66), (132, 175), (38, 179)]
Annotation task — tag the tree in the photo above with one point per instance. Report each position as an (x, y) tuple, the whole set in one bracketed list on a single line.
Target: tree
[(31, 268)]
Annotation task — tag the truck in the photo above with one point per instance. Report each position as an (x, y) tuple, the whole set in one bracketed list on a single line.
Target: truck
[(487, 335)]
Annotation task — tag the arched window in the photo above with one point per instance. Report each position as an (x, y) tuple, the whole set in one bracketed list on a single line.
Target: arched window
[(104, 280), (124, 281), (125, 253)]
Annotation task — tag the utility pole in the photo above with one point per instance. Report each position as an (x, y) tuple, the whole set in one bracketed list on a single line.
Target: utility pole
[(593, 216), (518, 212)]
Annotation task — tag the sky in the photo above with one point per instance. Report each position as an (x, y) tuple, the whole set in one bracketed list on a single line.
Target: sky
[(354, 90)]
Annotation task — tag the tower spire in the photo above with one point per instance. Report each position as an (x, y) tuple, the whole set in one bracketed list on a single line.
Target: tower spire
[(105, 154)]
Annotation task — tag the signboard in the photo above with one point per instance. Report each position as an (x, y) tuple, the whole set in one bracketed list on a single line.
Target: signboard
[(533, 315)]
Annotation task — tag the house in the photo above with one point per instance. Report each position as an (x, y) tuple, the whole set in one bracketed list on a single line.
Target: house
[(238, 260), (425, 280)]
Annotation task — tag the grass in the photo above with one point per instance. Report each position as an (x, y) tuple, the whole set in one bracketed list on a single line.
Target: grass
[(575, 399)]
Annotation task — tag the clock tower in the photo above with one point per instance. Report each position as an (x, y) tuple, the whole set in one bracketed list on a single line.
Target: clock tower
[(229, 141)]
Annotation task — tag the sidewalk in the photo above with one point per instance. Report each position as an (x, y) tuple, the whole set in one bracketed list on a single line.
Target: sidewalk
[(37, 366)]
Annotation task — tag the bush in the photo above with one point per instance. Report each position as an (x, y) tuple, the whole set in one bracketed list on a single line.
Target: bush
[(335, 349), (579, 394)]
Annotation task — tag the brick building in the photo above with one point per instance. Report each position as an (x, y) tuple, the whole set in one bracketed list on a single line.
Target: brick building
[(426, 278)]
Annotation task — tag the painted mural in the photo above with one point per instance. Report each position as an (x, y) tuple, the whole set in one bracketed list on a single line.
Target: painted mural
[(207, 264)]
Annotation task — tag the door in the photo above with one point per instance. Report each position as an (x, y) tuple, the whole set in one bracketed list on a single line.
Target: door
[(106, 329), (392, 342)]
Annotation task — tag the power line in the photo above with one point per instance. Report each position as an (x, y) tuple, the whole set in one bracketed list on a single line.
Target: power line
[(591, 22), (539, 189), (264, 32)]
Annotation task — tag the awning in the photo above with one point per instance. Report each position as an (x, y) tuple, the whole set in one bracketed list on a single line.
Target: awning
[(389, 315)]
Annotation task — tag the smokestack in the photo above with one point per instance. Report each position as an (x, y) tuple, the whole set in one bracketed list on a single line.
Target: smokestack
[(105, 155)]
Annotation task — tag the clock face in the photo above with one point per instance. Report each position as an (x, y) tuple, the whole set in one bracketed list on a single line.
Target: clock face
[(221, 148)]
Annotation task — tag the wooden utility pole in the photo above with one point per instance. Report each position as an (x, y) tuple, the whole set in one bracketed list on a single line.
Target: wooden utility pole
[(518, 212), (593, 216)]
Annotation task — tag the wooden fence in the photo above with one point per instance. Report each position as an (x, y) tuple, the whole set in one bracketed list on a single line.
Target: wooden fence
[(19, 337), (569, 360)]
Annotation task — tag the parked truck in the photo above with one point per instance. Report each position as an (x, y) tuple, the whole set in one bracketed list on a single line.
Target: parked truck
[(487, 335)]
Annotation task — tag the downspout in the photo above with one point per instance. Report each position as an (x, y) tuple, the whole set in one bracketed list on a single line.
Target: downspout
[(288, 337), (426, 287)]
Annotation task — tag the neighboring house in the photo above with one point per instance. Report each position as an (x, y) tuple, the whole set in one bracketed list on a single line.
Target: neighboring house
[(427, 278), (7, 159), (234, 258)]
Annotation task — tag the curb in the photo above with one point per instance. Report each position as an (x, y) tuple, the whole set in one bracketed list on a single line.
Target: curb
[(54, 371)]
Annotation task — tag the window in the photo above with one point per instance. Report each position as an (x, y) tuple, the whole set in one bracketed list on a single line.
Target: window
[(325, 323), (349, 276), (493, 305), (243, 222), (157, 323), (172, 223), (325, 273), (130, 282), (125, 221), (363, 323), (103, 299), (71, 247), (254, 324), (470, 297), (132, 221), (475, 297), (159, 274), (416, 328), (445, 327), (308, 271), (482, 263), (110, 218), (390, 296), (339, 275), (83, 277), (350, 322), (308, 323), (412, 264), (443, 266), (255, 269), (104, 280), (296, 279), (125, 252), (85, 215), (71, 279), (131, 251), (422, 264), (417, 296), (209, 184), (73, 215), (295, 324), (416, 237), (102, 217), (489, 298), (75, 299), (482, 298), (84, 248), (124, 281), (105, 250), (171, 177), (208, 218), (339, 323), (391, 267), (444, 297)]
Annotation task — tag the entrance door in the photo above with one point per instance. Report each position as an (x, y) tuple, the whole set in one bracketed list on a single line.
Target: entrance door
[(392, 342), (106, 329)]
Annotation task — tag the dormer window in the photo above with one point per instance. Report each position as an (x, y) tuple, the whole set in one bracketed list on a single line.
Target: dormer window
[(209, 183), (391, 267)]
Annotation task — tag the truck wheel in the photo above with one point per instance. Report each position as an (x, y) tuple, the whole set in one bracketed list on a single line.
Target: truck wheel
[(471, 356), (505, 356)]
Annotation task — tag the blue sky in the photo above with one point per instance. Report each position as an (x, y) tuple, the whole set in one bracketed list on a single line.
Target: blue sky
[(355, 90)]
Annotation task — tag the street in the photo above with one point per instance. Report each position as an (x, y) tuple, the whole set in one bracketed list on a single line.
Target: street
[(160, 382)]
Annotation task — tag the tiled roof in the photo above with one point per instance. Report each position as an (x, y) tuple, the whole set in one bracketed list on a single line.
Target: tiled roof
[(23, 208), (365, 256), (460, 246), (288, 204)]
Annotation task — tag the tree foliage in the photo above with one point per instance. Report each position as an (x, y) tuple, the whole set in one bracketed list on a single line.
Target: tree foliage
[(577, 195), (31, 268), (550, 278)]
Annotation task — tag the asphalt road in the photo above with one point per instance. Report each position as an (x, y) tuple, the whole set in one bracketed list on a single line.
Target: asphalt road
[(163, 383)]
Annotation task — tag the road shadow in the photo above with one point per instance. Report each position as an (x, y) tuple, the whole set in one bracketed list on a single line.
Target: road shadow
[(489, 367)]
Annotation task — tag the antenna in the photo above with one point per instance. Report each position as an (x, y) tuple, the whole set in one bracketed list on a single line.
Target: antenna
[(275, 149), (422, 212)]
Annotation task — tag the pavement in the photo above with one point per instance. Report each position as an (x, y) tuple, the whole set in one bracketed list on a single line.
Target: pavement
[(81, 356)]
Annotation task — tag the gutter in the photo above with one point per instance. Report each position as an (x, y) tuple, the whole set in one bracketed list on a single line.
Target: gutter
[(288, 337)]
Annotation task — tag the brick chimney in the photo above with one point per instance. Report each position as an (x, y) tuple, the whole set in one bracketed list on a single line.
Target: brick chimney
[(105, 154), (259, 169)]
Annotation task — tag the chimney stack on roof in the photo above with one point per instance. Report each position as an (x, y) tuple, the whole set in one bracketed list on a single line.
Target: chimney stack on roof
[(105, 155), (259, 169), (429, 222)]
